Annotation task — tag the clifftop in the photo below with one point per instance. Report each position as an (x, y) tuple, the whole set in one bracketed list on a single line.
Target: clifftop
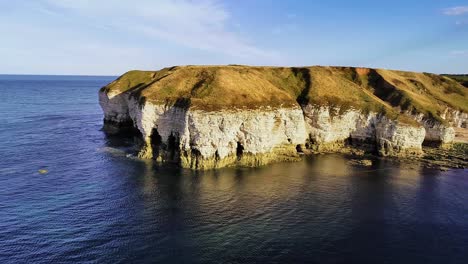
[(219, 87)]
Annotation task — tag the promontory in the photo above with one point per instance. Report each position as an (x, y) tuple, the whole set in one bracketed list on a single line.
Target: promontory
[(204, 117)]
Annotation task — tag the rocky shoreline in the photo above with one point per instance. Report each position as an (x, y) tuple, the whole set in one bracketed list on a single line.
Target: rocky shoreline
[(453, 156)]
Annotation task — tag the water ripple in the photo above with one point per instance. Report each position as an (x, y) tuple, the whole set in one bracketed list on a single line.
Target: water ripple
[(96, 205)]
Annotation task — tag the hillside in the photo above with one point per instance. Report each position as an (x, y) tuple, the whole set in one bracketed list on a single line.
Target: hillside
[(461, 78), (217, 87)]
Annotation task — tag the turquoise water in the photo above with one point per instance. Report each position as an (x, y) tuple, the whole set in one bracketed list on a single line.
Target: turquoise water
[(95, 205)]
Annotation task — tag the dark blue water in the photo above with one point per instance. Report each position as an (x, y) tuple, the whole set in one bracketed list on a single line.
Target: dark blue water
[(95, 205)]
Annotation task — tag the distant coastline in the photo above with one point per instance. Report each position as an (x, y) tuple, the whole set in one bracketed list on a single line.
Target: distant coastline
[(19, 77)]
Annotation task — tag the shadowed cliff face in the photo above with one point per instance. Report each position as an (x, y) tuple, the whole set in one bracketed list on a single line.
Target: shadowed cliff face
[(214, 116)]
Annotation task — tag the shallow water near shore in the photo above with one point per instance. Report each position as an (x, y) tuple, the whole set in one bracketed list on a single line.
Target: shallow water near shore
[(70, 194)]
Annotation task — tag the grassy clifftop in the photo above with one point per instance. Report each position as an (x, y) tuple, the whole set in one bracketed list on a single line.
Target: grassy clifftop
[(224, 87)]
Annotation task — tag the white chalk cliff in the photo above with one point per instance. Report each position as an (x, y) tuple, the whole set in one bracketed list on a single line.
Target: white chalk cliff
[(200, 133)]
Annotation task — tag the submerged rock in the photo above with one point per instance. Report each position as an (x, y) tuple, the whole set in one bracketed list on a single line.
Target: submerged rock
[(365, 163), (205, 117)]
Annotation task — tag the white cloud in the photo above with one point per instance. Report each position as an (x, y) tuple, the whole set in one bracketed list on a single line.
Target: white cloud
[(201, 24), (284, 29), (456, 11), (39, 50), (459, 53)]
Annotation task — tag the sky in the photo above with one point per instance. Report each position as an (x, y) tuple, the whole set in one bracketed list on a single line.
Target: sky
[(110, 37)]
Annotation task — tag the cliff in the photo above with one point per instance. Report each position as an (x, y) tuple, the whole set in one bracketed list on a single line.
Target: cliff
[(213, 116)]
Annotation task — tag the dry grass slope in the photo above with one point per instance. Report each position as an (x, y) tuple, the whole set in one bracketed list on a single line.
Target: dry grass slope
[(226, 87)]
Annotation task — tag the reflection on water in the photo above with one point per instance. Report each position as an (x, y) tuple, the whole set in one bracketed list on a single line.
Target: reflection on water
[(96, 205), (322, 209)]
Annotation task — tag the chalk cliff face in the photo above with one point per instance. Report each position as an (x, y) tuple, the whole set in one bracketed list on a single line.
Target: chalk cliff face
[(201, 139), (442, 130), (456, 118), (327, 126), (214, 116)]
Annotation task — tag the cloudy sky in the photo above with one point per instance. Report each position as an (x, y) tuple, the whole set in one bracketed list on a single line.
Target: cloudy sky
[(109, 37)]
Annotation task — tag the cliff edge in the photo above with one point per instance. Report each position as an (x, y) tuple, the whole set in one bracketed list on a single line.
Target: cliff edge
[(205, 117)]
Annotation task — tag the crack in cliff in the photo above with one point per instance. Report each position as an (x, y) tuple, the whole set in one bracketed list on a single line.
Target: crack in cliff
[(304, 74)]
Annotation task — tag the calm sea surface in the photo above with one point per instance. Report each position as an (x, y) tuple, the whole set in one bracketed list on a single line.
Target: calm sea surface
[(95, 205)]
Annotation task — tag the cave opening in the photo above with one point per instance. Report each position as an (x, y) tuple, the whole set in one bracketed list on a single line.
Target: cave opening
[(386, 148), (299, 149), (310, 142), (432, 143), (239, 150), (196, 158), (172, 145), (156, 142)]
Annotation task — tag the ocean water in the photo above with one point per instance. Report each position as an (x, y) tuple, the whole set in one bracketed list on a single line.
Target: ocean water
[(95, 205)]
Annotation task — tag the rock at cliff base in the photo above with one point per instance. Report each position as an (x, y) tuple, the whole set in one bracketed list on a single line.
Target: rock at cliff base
[(365, 163)]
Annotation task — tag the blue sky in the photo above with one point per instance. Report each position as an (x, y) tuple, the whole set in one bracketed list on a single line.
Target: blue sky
[(109, 37)]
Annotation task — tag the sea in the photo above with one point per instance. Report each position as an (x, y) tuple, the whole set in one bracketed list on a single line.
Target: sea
[(71, 194)]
